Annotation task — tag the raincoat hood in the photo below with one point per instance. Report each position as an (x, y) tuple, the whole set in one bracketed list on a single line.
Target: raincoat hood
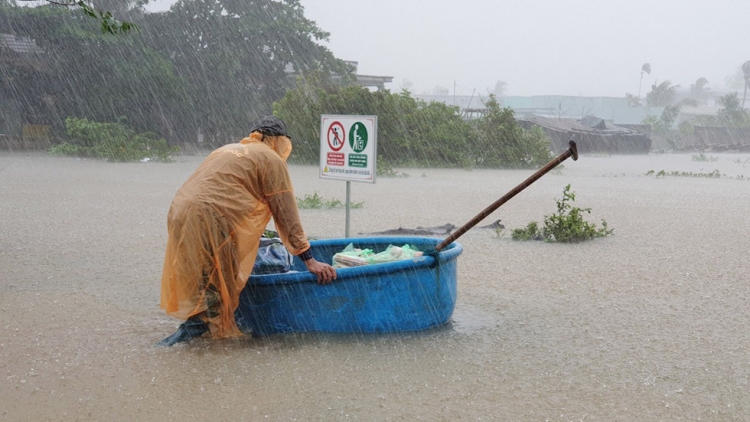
[(282, 145), (270, 125), (272, 131)]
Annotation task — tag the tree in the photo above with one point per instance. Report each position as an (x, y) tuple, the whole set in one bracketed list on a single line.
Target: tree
[(501, 142), (234, 56), (662, 95), (645, 68), (104, 77), (213, 65), (670, 114), (499, 89), (699, 89), (664, 123), (632, 100), (736, 81), (109, 24), (410, 131), (120, 7), (732, 114)]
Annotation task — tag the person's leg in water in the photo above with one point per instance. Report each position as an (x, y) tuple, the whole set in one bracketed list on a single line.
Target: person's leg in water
[(219, 242), (197, 325), (192, 328)]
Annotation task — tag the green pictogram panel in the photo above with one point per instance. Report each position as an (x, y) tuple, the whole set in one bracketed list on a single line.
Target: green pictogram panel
[(358, 137)]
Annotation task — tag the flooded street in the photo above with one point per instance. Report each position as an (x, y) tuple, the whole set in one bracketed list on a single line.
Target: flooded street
[(650, 323)]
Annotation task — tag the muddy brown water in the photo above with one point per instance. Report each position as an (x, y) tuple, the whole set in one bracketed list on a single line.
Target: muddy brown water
[(648, 324)]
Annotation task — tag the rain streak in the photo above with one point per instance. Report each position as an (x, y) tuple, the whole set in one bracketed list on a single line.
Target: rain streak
[(532, 213)]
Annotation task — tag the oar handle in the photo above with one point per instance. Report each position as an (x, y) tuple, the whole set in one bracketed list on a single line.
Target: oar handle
[(570, 152)]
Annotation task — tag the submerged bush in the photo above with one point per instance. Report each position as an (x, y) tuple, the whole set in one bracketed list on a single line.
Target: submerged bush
[(316, 201), (716, 174), (567, 225), (384, 169), (111, 141), (704, 158)]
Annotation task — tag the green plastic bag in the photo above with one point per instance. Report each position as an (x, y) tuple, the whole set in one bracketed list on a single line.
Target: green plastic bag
[(355, 257)]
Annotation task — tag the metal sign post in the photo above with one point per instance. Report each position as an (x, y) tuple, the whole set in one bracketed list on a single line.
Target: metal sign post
[(348, 206)]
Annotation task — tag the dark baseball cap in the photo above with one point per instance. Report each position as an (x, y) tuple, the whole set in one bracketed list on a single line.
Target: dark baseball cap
[(271, 126)]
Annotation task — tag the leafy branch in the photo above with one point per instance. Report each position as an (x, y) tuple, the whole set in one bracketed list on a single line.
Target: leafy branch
[(109, 24)]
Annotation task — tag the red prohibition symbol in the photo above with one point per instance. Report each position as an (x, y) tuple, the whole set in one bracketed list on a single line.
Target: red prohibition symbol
[(336, 136)]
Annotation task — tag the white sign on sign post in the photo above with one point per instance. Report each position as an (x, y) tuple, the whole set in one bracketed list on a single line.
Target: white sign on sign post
[(348, 147)]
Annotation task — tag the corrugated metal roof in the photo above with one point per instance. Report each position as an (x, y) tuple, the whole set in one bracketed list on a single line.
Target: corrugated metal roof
[(603, 137)]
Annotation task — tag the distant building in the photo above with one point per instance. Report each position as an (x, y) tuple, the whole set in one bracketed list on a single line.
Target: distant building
[(470, 106), (367, 81), (597, 124), (23, 45), (612, 109)]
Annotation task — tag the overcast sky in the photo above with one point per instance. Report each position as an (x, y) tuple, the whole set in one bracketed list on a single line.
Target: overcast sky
[(538, 47)]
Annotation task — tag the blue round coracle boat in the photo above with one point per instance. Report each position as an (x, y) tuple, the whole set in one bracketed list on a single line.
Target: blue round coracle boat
[(405, 295)]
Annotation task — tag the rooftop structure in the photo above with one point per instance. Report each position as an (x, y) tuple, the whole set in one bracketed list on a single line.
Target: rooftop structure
[(23, 45), (367, 81)]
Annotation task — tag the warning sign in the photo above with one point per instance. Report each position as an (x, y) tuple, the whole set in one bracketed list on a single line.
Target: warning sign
[(348, 147), (336, 136)]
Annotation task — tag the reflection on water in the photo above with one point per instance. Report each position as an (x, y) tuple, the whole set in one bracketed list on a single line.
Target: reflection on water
[(650, 323)]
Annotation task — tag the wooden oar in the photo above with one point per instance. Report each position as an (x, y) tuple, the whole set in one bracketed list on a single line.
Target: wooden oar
[(571, 152)]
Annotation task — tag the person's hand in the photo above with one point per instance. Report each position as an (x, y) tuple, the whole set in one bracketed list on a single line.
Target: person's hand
[(325, 272)]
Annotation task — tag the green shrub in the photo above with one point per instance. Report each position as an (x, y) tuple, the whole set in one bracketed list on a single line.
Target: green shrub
[(316, 201), (716, 174), (530, 232), (704, 158), (500, 142), (111, 141), (567, 225)]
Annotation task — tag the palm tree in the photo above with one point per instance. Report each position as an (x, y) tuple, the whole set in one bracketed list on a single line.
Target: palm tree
[(645, 68), (746, 71), (698, 89), (662, 94)]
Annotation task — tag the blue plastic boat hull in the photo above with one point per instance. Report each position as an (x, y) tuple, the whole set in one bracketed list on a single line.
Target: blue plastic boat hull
[(405, 295)]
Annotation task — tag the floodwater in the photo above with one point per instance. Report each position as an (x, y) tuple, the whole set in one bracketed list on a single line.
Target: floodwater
[(650, 323)]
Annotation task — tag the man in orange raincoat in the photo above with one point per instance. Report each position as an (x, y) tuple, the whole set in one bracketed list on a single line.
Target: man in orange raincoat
[(215, 224)]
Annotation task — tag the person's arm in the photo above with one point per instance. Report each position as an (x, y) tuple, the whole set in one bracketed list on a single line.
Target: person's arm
[(283, 207), (325, 272)]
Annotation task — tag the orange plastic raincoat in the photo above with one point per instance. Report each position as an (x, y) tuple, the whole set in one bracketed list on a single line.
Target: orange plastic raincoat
[(215, 223)]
